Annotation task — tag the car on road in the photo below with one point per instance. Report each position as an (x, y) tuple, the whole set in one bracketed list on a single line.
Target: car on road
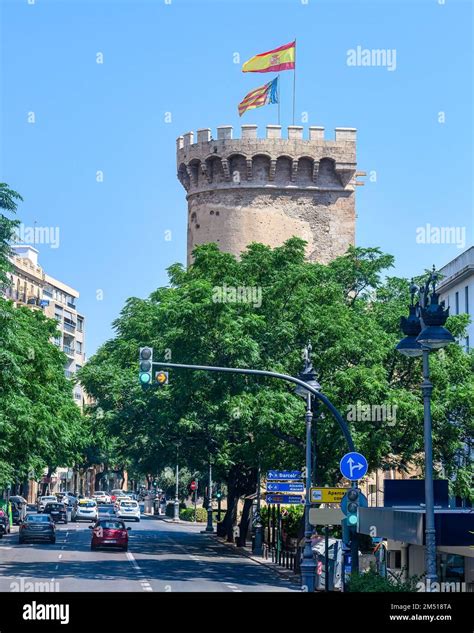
[(119, 499), (19, 508), (68, 499), (42, 501), (101, 497), (37, 527), (57, 511), (109, 533), (128, 509), (106, 510), (85, 509)]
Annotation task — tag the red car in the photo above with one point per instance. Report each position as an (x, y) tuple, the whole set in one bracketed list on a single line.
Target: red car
[(109, 533)]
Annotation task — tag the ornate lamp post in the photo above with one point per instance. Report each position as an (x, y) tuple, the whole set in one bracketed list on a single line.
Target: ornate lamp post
[(176, 496), (425, 332), (308, 375)]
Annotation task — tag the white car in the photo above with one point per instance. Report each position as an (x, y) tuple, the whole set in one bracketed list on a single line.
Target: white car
[(42, 501), (101, 497), (86, 510), (69, 499), (128, 509), (119, 500)]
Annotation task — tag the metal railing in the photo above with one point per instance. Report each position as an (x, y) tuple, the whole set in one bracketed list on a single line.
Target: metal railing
[(68, 350), (288, 557)]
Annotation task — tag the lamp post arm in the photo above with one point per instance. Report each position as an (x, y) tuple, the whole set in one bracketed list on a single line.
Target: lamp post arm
[(272, 374)]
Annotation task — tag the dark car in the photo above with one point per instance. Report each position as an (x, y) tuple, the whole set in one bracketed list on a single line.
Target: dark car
[(19, 508), (37, 527), (57, 511), (109, 533)]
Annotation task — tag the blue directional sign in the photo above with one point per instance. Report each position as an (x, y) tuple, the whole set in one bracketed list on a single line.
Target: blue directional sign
[(285, 487), (353, 466), (284, 499), (284, 475)]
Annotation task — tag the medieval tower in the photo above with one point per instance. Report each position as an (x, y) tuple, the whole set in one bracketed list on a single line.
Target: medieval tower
[(269, 189)]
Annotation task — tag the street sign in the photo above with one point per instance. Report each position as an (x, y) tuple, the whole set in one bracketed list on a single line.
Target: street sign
[(193, 485), (284, 499), (325, 516), (327, 495), (284, 475), (353, 466), (285, 487)]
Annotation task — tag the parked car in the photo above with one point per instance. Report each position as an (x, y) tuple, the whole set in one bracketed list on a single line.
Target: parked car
[(109, 533), (57, 511), (128, 509), (19, 508), (42, 501), (101, 497), (4, 523), (37, 527), (85, 509)]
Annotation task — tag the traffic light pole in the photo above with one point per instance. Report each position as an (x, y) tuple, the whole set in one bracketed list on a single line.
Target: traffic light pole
[(209, 527), (354, 543)]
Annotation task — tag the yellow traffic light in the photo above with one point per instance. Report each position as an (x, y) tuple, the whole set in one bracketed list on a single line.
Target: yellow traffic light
[(161, 377)]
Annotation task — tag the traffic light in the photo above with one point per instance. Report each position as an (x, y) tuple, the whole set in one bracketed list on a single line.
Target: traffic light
[(353, 506), (161, 377), (218, 493), (145, 365)]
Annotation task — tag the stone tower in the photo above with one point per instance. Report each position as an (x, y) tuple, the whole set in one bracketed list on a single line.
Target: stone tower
[(268, 189)]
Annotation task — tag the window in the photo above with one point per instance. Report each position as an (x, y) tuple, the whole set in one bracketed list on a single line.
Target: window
[(457, 302), (80, 324), (78, 347), (466, 298), (467, 343)]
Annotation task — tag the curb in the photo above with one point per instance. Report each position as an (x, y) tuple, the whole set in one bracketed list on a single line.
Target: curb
[(285, 573)]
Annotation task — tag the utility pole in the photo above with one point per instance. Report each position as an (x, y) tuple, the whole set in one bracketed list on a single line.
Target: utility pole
[(176, 496)]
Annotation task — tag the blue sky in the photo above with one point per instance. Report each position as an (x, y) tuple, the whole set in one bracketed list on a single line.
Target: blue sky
[(178, 58)]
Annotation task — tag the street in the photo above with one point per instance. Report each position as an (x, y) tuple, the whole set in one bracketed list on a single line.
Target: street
[(162, 557)]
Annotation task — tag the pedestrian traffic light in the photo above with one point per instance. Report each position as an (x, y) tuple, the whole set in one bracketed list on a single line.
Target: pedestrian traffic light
[(161, 377), (352, 506), (145, 365)]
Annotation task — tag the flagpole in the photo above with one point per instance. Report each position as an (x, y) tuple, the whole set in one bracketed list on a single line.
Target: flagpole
[(294, 86), (279, 80)]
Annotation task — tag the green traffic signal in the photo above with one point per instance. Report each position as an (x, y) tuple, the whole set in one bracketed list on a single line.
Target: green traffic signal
[(145, 365), (352, 506)]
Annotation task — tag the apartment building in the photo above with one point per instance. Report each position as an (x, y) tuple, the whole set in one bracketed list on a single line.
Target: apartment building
[(456, 289)]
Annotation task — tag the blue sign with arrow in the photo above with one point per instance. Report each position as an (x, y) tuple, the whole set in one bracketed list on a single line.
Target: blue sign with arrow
[(285, 486), (284, 499), (353, 466), (284, 474)]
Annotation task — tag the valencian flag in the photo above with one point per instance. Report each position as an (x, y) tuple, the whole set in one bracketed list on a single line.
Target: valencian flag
[(282, 58), (260, 97)]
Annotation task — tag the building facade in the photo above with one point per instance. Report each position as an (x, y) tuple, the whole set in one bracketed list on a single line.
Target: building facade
[(31, 286), (270, 189), (456, 289)]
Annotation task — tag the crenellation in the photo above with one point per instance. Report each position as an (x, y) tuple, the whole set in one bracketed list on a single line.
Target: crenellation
[(268, 189)]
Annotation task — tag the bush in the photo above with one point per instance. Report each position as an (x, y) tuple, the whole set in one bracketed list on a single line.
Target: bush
[(371, 581), (187, 514)]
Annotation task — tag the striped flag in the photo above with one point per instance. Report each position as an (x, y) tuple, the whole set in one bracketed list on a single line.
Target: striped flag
[(282, 58), (260, 97)]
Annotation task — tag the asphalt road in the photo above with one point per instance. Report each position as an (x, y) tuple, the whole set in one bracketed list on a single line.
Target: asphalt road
[(162, 557)]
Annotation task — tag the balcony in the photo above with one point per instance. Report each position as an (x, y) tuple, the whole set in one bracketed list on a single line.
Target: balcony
[(68, 373), (71, 305), (68, 350), (69, 328)]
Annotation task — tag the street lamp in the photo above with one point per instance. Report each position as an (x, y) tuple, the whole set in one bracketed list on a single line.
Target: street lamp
[(425, 331), (308, 564), (176, 496), (258, 540), (209, 527)]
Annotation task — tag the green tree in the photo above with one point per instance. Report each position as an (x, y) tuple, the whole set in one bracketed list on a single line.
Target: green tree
[(351, 315), (8, 202)]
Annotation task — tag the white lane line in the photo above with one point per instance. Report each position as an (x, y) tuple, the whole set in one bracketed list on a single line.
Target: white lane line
[(57, 567), (60, 556), (144, 583)]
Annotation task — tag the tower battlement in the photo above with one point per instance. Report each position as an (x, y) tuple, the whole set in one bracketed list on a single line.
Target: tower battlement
[(267, 189)]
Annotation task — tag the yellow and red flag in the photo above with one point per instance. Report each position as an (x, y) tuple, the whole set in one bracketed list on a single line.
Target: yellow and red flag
[(282, 58), (260, 97)]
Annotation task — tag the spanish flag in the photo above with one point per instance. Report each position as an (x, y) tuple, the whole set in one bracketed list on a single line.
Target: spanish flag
[(282, 58), (260, 97)]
